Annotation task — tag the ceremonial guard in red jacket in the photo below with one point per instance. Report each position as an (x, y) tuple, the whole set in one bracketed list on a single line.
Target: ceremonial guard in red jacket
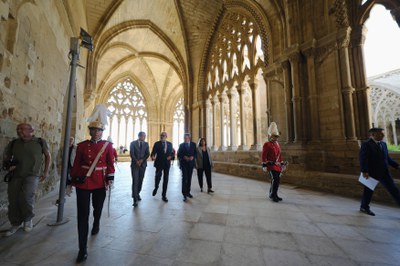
[(271, 158), (92, 174)]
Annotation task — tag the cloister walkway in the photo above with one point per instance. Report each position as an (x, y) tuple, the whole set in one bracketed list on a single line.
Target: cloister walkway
[(237, 225)]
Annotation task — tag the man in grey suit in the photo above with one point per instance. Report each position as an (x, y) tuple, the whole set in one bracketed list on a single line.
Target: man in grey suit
[(139, 151)]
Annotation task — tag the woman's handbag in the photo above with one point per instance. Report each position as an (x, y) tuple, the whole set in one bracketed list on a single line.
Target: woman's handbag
[(82, 179)]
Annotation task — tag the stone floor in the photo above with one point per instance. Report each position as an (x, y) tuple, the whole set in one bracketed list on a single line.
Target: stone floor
[(235, 226)]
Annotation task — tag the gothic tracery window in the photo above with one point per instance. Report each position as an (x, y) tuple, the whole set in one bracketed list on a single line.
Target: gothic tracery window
[(128, 112), (236, 56), (178, 122)]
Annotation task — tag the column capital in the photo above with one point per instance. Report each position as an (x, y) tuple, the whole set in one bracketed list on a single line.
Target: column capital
[(309, 48), (358, 35), (285, 64), (343, 37)]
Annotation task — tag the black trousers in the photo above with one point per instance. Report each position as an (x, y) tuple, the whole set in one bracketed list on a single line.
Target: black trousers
[(83, 205), (390, 186), (159, 173), (187, 172), (207, 172), (275, 180)]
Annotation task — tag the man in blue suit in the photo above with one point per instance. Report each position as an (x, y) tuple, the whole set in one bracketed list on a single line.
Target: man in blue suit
[(374, 162), (187, 156), (161, 155)]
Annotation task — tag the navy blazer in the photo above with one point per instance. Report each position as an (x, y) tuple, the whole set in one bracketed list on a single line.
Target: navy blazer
[(161, 156), (375, 161), (184, 151)]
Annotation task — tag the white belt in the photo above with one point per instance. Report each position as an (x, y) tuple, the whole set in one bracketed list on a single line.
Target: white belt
[(96, 168)]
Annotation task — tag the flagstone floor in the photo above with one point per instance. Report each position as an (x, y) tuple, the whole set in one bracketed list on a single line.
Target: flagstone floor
[(237, 225)]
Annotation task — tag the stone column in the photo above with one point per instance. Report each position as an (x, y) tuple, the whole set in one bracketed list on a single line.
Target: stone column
[(256, 116), (215, 102), (297, 96), (208, 121), (360, 82), (288, 101), (347, 88), (394, 132), (118, 132), (313, 111), (126, 132), (243, 146), (233, 129), (222, 111)]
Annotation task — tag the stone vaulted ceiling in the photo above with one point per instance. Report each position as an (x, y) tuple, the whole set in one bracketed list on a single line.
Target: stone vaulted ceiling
[(151, 41)]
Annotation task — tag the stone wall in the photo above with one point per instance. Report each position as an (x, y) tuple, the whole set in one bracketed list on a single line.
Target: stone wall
[(34, 74)]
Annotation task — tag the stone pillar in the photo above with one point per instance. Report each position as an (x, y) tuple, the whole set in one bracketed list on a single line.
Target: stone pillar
[(313, 124), (360, 83), (233, 129), (118, 132), (208, 121), (222, 111), (347, 88), (243, 146), (256, 115), (126, 132), (215, 102), (297, 96), (288, 101), (394, 132)]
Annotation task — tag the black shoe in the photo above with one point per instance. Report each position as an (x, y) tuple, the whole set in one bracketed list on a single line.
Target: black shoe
[(95, 230), (279, 198), (135, 204), (184, 198), (210, 190), (274, 198), (139, 198), (201, 189), (367, 211), (154, 192), (165, 199), (82, 256), (190, 195)]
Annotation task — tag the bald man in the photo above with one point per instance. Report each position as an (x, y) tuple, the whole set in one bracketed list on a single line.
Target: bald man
[(31, 157)]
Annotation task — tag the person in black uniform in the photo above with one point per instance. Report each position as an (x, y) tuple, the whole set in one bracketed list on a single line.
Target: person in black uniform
[(374, 162), (187, 155), (204, 164), (162, 154)]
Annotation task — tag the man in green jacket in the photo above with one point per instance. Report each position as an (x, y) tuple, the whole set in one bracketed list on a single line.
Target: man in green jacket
[(26, 154)]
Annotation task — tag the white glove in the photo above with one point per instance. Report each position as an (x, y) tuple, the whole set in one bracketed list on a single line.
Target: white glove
[(265, 169), (68, 191)]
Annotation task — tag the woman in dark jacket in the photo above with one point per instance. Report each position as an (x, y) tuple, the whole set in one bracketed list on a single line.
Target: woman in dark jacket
[(204, 164)]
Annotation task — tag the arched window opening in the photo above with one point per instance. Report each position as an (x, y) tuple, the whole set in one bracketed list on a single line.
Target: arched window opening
[(128, 113)]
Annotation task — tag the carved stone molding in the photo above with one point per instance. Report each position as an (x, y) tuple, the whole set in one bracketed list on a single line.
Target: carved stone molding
[(340, 10)]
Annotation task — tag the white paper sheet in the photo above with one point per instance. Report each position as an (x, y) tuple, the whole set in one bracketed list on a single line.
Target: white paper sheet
[(371, 182)]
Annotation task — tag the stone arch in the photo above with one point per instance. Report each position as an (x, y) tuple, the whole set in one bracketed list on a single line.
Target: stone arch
[(106, 37)]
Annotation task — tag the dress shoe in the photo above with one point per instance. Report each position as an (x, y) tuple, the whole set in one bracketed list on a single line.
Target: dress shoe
[(82, 256), (210, 190), (201, 189), (190, 195), (165, 199), (95, 230), (135, 204), (154, 192), (184, 198), (279, 198), (367, 211), (274, 198), (139, 198)]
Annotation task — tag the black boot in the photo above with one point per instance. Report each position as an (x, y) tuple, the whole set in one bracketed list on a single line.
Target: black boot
[(82, 256)]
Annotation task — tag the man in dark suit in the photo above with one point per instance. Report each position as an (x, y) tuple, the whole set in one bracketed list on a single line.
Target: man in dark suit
[(139, 151), (187, 156), (374, 162), (161, 155)]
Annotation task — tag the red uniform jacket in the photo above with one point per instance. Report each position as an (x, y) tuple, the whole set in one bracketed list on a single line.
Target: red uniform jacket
[(86, 152), (271, 152)]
